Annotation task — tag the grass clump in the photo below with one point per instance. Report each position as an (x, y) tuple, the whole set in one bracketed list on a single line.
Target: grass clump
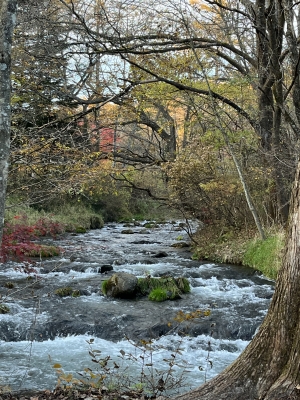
[(43, 251), (265, 255), (64, 292), (80, 229), (63, 214), (9, 285), (183, 284), (104, 287), (164, 288), (158, 294), (4, 309), (239, 247)]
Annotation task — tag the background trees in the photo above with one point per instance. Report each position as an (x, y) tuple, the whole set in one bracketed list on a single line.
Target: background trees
[(193, 88), (236, 42), (197, 69)]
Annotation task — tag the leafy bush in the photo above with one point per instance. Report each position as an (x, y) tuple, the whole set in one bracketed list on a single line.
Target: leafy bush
[(204, 184), (17, 239)]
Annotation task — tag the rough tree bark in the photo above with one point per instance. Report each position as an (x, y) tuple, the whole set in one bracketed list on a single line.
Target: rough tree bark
[(268, 369), (8, 9)]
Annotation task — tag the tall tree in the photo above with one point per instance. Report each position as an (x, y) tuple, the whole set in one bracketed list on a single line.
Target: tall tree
[(8, 9), (269, 367)]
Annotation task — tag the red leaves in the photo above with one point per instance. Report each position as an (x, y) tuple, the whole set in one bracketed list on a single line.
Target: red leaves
[(17, 238)]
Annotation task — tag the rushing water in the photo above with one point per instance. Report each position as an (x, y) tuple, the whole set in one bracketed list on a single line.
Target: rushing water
[(237, 297)]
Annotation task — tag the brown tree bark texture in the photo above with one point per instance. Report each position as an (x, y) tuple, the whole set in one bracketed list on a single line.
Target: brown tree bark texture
[(269, 368), (8, 9)]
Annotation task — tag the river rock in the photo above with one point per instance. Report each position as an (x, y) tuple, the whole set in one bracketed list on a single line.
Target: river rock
[(122, 285), (127, 232), (160, 254), (105, 268)]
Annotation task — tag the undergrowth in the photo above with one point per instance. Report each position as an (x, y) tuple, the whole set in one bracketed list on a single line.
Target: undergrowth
[(239, 247), (24, 225), (70, 215), (19, 238), (265, 255)]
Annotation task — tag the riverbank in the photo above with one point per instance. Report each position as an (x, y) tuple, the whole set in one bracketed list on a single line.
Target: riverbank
[(216, 244), (241, 248), (75, 394)]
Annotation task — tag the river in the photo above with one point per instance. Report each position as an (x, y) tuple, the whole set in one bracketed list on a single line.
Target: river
[(43, 329)]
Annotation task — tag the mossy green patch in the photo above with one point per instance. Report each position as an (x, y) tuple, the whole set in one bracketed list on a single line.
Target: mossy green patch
[(158, 294), (64, 292), (263, 255), (80, 229), (173, 287), (104, 287)]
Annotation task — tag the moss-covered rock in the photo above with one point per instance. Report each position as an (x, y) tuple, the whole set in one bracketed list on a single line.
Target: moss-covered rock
[(151, 225), (158, 294), (180, 245), (172, 287), (64, 292), (121, 285), (127, 232), (9, 285), (80, 229)]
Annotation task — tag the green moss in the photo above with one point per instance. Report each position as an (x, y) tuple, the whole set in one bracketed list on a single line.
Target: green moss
[(151, 225), (104, 287), (173, 287), (80, 229), (264, 255), (158, 294), (76, 293), (183, 285), (4, 309), (9, 285), (64, 292)]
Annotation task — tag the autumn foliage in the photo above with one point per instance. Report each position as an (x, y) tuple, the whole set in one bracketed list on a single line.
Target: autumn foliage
[(19, 239)]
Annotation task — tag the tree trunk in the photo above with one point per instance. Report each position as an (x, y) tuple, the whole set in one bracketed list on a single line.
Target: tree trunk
[(8, 9), (268, 369)]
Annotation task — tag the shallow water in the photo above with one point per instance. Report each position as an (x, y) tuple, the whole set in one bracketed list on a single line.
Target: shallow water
[(237, 297)]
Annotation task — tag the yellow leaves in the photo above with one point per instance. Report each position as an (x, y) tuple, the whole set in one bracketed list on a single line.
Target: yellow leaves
[(200, 5), (190, 316)]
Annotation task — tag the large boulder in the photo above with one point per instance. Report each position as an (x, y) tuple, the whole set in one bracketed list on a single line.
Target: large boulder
[(121, 285)]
